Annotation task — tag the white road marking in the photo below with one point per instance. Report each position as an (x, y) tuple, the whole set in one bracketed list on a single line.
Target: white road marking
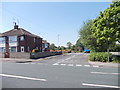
[(39, 63), (78, 65), (70, 64), (95, 66), (32, 63), (66, 59), (55, 64), (63, 64), (87, 65), (26, 63), (97, 85), (22, 77), (105, 73)]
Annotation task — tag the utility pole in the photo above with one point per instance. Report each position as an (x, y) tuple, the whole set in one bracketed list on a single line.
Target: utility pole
[(58, 39), (108, 51), (7, 53)]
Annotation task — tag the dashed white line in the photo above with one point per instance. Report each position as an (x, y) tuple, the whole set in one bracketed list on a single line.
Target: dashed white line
[(22, 77), (87, 65), (95, 66), (105, 73), (32, 63), (55, 64), (97, 85), (70, 64), (78, 65), (26, 63), (63, 64)]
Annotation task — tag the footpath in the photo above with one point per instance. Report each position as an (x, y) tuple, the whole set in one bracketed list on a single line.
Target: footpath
[(107, 64), (21, 60)]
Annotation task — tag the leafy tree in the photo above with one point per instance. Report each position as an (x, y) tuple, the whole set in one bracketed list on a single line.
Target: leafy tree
[(106, 27), (86, 37), (52, 46), (59, 48), (69, 45), (79, 46), (73, 47), (63, 48)]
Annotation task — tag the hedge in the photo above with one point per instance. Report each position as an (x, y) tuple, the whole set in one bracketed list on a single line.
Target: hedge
[(100, 56)]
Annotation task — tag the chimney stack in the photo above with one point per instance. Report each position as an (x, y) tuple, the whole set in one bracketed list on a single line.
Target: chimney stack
[(15, 26)]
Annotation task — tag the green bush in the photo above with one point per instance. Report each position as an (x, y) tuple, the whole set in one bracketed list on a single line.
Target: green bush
[(100, 56), (116, 59)]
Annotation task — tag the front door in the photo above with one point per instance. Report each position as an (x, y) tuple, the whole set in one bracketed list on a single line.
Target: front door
[(22, 49)]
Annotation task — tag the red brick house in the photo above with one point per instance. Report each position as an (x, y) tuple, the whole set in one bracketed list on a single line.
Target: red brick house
[(20, 40)]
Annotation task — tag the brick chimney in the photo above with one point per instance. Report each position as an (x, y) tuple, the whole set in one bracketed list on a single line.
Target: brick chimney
[(16, 26)]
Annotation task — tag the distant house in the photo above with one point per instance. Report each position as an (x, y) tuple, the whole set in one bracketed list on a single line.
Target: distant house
[(19, 40), (45, 46)]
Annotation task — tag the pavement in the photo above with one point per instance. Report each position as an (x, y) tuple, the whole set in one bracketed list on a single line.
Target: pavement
[(63, 71)]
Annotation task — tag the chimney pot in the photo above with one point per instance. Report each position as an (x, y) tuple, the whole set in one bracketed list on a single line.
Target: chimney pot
[(15, 26)]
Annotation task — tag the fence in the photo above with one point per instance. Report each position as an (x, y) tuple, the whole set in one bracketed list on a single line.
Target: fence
[(36, 55)]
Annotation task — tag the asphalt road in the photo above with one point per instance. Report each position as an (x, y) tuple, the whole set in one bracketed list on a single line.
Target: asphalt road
[(64, 71)]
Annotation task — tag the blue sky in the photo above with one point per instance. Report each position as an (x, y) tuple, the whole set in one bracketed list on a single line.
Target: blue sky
[(48, 19)]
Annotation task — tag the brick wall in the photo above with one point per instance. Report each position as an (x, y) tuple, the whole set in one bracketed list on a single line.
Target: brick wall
[(17, 55), (20, 55)]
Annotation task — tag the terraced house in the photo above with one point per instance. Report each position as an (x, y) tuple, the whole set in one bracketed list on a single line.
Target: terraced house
[(19, 40)]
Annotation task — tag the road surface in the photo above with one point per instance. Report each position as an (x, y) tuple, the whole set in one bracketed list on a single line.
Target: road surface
[(63, 71)]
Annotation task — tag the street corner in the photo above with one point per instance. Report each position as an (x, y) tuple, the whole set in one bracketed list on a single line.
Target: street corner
[(103, 64)]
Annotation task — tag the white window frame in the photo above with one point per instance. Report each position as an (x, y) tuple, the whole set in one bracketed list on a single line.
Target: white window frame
[(22, 38)]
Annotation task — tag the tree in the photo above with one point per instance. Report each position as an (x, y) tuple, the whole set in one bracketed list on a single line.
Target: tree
[(69, 45), (106, 27), (86, 37), (79, 46), (52, 46), (73, 47), (59, 48), (63, 48)]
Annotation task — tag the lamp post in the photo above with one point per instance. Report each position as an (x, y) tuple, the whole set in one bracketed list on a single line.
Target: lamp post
[(58, 39), (7, 54)]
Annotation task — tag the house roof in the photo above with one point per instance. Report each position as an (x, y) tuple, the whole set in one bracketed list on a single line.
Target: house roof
[(44, 41), (0, 34), (19, 31)]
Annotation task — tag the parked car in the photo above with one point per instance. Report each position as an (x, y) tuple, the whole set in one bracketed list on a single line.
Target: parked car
[(35, 50)]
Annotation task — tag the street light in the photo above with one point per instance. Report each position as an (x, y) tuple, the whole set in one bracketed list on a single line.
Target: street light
[(58, 39)]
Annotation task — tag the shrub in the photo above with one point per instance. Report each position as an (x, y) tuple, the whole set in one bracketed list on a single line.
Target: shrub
[(116, 59), (100, 56)]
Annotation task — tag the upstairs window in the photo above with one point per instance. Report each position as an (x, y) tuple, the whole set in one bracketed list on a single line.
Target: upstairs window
[(2, 39), (34, 39), (12, 38), (22, 38)]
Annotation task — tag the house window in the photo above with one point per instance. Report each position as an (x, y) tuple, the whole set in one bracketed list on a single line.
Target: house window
[(34, 39), (46, 45), (2, 40), (12, 38), (22, 48), (13, 49), (22, 38), (2, 49), (28, 48)]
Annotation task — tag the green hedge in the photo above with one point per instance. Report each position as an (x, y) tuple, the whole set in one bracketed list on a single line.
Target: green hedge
[(116, 59), (100, 56)]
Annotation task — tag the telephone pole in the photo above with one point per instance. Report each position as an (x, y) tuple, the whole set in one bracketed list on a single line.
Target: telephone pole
[(58, 39)]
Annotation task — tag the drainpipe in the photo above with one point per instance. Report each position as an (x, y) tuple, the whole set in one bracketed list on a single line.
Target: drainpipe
[(7, 54)]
